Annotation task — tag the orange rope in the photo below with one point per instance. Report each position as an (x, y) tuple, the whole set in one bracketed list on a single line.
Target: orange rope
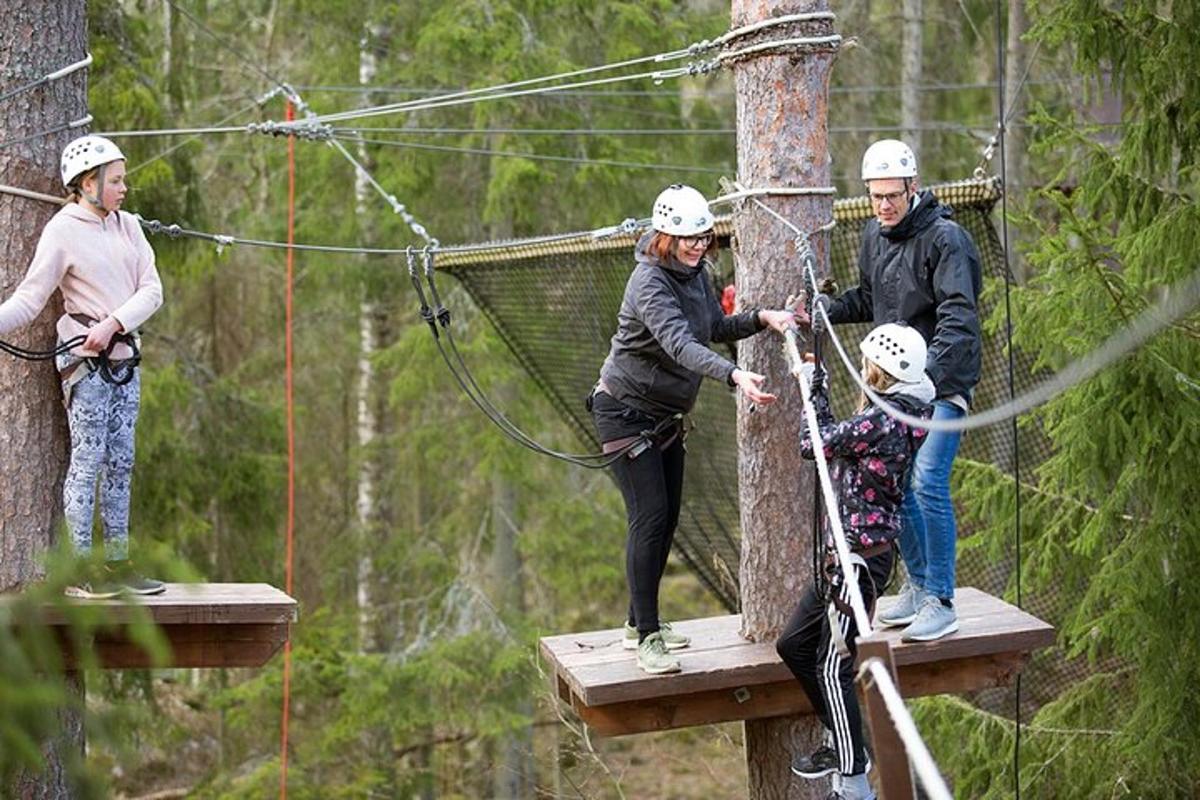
[(291, 449)]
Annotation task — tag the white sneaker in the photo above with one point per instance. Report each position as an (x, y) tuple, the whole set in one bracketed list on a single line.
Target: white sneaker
[(934, 620), (904, 610)]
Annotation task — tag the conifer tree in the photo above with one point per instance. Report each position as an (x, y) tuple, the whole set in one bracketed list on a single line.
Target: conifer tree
[(1110, 517)]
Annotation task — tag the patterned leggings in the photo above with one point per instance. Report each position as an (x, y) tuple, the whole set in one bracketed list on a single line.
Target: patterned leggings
[(102, 418)]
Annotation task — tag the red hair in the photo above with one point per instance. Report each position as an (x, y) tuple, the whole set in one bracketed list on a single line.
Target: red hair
[(664, 245)]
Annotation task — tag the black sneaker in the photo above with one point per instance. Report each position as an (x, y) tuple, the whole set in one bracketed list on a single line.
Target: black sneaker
[(821, 762), (123, 573), (140, 584)]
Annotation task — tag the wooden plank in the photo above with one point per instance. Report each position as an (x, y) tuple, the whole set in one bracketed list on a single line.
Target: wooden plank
[(600, 672), (782, 698), (204, 625), (196, 604), (891, 758), (207, 646)]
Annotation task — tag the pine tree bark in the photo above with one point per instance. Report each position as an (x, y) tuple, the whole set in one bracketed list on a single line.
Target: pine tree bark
[(782, 131), (36, 38)]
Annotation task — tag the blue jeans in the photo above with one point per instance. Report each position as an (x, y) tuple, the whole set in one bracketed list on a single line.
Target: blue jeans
[(929, 537)]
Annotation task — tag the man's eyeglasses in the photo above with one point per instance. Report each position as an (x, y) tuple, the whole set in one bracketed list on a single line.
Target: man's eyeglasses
[(704, 240), (892, 198)]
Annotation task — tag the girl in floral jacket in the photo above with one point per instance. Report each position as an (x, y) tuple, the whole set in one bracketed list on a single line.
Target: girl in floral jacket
[(870, 457)]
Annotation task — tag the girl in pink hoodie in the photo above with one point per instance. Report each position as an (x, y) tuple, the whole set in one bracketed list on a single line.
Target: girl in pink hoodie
[(100, 260)]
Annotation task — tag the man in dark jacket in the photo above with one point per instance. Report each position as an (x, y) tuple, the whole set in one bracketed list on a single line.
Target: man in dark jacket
[(918, 266)]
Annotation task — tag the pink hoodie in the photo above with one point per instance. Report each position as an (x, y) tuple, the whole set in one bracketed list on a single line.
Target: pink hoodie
[(103, 267)]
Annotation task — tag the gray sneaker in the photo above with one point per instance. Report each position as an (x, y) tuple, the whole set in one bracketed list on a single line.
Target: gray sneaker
[(672, 640), (904, 610), (933, 621), (652, 656)]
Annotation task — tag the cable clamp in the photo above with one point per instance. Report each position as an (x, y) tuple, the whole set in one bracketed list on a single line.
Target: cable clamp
[(222, 242), (986, 159)]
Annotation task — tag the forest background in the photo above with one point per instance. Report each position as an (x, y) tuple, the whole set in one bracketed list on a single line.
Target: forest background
[(431, 552)]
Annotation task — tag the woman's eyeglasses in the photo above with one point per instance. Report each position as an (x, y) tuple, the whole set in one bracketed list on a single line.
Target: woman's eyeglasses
[(704, 240)]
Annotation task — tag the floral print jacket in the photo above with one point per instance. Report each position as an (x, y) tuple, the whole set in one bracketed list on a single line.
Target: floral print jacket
[(870, 456)]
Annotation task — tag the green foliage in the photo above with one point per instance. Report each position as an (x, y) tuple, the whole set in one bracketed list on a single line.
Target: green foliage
[(1109, 519)]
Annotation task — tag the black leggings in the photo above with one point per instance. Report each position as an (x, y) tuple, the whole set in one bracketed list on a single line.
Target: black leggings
[(652, 485), (808, 648)]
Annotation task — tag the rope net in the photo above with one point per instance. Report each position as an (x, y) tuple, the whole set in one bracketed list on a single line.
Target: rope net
[(555, 306)]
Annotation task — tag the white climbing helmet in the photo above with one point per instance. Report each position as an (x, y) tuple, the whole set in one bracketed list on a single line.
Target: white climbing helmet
[(85, 153), (889, 158), (681, 211), (899, 350)]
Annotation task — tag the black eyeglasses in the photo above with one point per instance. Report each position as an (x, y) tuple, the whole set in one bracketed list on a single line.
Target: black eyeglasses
[(893, 198), (703, 240)]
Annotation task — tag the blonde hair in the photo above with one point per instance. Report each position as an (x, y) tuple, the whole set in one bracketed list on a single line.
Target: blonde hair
[(75, 190), (877, 379)]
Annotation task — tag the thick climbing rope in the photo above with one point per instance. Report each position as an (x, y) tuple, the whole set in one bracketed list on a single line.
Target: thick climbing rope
[(1177, 302), (914, 745)]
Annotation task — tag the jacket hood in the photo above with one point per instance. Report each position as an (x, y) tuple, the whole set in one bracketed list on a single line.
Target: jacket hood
[(928, 211), (671, 264), (923, 392)]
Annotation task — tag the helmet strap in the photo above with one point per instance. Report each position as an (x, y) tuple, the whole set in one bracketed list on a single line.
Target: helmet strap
[(97, 201)]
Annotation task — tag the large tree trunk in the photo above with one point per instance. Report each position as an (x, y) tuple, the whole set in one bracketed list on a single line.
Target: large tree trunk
[(35, 39), (782, 125), (912, 54)]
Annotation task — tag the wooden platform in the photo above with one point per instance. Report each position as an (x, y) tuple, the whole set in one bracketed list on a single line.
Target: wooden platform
[(205, 624), (727, 678)]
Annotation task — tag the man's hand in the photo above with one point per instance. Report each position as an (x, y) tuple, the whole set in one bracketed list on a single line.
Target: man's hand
[(779, 321), (798, 304)]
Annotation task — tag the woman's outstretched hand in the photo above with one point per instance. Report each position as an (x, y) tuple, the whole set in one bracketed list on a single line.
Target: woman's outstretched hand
[(751, 384)]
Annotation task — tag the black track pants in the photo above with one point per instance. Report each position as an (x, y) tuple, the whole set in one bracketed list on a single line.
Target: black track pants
[(810, 652)]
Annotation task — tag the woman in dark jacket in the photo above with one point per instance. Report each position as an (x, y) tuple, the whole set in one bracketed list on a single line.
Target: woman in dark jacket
[(650, 379), (870, 463)]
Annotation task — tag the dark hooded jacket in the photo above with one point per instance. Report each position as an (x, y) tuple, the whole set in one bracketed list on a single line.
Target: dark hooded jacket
[(668, 317), (924, 271), (870, 456)]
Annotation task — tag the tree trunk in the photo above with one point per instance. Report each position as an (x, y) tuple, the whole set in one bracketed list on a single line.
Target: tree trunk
[(911, 73), (36, 38), (1015, 104), (513, 773), (782, 125), (368, 388)]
